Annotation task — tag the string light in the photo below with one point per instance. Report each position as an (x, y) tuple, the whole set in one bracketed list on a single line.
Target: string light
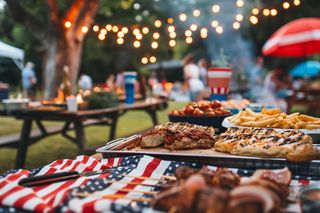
[(153, 59), (255, 11), (156, 35), (67, 24), (115, 29), (172, 43), (101, 37), (136, 31), (154, 45), (273, 12), (103, 31), (193, 27), (172, 35), (188, 33), (170, 20), (171, 29), (215, 8), (204, 33), (120, 41), (214, 23), (219, 30), (285, 5), (189, 40), (145, 30), (125, 30), (240, 3), (108, 27), (296, 2), (144, 60), (139, 36), (136, 44), (239, 17), (95, 28), (196, 13), (236, 25), (266, 12), (84, 29), (254, 20), (120, 34), (157, 23), (183, 17)]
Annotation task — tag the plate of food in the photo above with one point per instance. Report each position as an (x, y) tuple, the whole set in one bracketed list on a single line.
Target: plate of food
[(203, 113), (276, 119), (241, 147)]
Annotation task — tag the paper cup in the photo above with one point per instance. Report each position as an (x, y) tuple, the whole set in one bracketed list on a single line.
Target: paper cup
[(218, 81), (129, 81), (72, 105)]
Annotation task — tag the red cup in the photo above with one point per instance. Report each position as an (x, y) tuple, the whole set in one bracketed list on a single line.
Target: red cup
[(218, 81)]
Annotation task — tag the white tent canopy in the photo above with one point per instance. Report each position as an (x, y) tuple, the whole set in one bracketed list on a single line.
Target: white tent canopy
[(12, 52)]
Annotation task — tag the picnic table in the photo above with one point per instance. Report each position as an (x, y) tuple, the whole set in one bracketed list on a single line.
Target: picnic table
[(75, 121)]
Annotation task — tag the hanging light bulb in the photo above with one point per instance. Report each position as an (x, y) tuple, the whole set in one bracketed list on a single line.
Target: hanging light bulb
[(236, 25), (189, 40), (108, 27), (136, 44), (67, 24), (145, 30), (240, 3), (183, 17), (115, 29), (125, 30), (139, 36), (255, 11), (84, 29), (273, 12), (154, 45), (153, 59), (219, 30), (214, 23), (103, 31), (101, 37), (215, 8), (120, 41), (144, 60), (193, 27), (136, 31), (266, 12), (120, 34), (171, 29), (172, 35), (170, 20), (95, 28), (254, 20), (239, 17), (196, 13), (285, 5), (157, 23), (156, 35), (172, 43), (296, 2), (188, 33)]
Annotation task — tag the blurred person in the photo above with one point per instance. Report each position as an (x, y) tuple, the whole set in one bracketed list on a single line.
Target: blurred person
[(203, 65), (120, 80), (256, 78), (85, 82), (192, 77), (277, 85), (111, 82), (29, 81)]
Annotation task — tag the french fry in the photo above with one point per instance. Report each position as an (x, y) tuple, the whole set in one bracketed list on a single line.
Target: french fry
[(247, 118), (264, 123), (248, 123), (293, 115), (301, 124), (313, 126), (308, 118)]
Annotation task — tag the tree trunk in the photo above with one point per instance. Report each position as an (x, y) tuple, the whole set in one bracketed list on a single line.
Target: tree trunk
[(61, 51)]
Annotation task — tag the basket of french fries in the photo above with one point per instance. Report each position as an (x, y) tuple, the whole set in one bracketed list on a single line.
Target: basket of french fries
[(275, 118)]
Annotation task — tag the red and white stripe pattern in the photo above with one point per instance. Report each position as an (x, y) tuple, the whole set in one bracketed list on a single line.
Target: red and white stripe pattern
[(218, 79), (45, 198), (298, 38)]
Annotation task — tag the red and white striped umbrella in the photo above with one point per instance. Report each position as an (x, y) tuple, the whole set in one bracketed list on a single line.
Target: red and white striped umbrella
[(298, 38)]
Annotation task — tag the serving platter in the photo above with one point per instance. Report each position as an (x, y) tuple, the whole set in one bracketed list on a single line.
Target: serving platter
[(314, 133), (211, 157)]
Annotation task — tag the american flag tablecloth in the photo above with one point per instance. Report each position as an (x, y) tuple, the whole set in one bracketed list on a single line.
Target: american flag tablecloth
[(63, 196)]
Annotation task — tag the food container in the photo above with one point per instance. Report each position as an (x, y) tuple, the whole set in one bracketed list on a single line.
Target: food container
[(15, 104), (214, 121), (310, 198)]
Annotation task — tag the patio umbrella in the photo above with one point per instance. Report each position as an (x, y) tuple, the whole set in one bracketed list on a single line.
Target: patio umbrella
[(304, 69), (298, 38)]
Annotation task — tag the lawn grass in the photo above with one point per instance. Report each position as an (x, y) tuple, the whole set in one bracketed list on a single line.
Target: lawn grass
[(57, 147)]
